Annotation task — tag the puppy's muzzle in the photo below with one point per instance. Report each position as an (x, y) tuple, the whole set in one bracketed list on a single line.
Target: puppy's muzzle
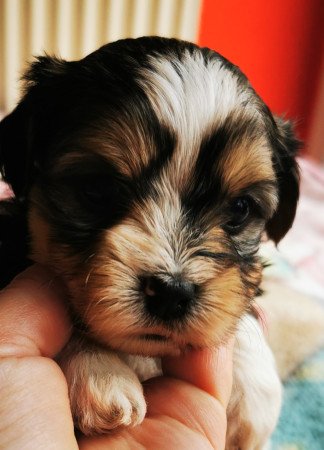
[(170, 299)]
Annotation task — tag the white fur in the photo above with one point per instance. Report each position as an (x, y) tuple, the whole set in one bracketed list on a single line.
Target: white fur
[(193, 97), (256, 397)]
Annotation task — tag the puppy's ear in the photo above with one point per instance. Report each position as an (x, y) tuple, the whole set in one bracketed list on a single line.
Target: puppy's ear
[(19, 131), (286, 146), (14, 148)]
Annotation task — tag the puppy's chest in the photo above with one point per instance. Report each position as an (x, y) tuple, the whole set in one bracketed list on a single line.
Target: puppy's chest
[(145, 367)]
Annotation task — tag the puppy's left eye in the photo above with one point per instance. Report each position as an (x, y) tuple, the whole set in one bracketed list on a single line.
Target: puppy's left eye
[(98, 191), (102, 194), (239, 211)]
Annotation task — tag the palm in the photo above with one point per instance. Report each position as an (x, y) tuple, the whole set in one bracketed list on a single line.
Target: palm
[(180, 416)]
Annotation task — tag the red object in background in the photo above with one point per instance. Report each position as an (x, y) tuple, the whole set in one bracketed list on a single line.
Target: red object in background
[(278, 44)]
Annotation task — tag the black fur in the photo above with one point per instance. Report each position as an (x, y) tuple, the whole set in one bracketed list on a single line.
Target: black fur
[(286, 147)]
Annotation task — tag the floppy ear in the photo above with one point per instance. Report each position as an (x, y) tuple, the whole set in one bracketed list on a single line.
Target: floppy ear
[(20, 130), (286, 146), (14, 167), (15, 147)]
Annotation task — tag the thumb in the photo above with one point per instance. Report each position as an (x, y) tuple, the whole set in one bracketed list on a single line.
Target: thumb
[(208, 369)]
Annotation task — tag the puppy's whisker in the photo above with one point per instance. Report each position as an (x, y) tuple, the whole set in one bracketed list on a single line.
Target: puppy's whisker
[(86, 281), (93, 255), (209, 309), (251, 323), (221, 311)]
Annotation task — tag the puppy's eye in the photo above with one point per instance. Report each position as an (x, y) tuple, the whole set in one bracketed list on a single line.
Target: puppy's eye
[(100, 193), (96, 192), (239, 211)]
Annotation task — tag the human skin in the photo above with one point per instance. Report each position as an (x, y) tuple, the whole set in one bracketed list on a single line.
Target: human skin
[(186, 407)]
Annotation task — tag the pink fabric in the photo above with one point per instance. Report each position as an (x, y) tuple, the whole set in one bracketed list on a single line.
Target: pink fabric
[(304, 244), (5, 191)]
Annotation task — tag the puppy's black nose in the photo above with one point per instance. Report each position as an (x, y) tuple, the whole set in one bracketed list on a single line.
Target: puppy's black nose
[(168, 300)]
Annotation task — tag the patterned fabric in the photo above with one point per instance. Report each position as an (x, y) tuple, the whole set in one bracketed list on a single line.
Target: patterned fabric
[(299, 262), (301, 424)]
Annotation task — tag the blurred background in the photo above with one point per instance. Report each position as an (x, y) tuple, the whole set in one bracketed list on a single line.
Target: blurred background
[(277, 43)]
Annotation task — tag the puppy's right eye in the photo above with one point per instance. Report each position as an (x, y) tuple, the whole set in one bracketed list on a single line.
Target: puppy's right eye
[(104, 197), (95, 201), (98, 192)]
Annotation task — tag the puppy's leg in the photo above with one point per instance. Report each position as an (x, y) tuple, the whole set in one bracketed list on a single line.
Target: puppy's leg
[(256, 399), (105, 392)]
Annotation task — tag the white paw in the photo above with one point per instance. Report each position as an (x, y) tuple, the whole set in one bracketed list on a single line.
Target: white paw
[(105, 393), (100, 405)]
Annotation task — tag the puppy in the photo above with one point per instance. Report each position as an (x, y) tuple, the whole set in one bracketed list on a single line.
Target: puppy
[(145, 175)]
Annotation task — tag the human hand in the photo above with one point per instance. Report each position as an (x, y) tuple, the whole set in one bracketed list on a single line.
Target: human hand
[(186, 407)]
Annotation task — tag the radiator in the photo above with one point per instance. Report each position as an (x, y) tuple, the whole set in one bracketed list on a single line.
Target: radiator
[(73, 28)]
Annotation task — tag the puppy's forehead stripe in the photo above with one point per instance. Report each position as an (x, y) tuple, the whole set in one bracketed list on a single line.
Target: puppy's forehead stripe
[(191, 95), (198, 97)]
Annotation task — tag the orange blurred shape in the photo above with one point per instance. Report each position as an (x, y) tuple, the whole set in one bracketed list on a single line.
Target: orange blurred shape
[(278, 44)]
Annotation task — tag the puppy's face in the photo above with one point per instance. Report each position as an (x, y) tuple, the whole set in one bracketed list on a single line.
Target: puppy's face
[(153, 168)]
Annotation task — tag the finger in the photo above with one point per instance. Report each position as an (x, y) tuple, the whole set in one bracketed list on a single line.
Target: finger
[(208, 369), (34, 405), (33, 316)]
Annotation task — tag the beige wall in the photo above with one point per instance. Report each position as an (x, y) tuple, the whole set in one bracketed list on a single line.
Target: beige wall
[(74, 28)]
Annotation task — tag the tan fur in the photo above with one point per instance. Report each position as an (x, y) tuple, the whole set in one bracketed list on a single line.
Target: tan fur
[(245, 164), (105, 287), (107, 295), (126, 146)]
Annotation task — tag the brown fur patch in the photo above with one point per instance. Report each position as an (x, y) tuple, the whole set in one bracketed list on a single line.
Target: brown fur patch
[(246, 164)]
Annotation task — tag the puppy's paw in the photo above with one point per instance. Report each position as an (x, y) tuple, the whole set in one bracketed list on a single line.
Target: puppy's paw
[(104, 392), (100, 405)]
